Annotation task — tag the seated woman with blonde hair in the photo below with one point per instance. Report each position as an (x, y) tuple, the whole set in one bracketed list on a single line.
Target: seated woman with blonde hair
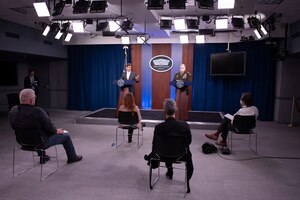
[(129, 106)]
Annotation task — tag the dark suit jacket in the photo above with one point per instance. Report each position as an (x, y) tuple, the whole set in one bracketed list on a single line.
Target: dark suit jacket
[(27, 84), (131, 77), (172, 127), (25, 116)]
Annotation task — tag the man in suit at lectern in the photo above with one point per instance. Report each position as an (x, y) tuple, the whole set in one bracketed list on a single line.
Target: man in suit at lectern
[(129, 75), (182, 94)]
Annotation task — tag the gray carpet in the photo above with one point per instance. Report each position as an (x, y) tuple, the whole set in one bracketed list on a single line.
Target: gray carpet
[(107, 173)]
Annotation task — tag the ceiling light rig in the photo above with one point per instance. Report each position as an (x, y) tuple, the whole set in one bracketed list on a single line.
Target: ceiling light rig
[(255, 23), (155, 4), (58, 8)]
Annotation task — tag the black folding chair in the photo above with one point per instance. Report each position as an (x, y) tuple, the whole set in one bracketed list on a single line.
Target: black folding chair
[(171, 149), (31, 140), (244, 125), (12, 99), (129, 120)]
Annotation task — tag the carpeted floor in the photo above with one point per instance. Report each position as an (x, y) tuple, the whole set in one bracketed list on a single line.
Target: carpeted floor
[(122, 174)]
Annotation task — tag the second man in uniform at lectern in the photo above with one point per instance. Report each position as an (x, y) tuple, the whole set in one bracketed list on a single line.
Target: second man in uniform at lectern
[(182, 94)]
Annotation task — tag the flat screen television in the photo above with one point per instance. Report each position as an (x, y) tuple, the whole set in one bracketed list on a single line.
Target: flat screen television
[(228, 64), (8, 75)]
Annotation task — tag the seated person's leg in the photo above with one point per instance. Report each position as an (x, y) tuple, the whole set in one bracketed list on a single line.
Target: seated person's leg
[(67, 143), (130, 132), (169, 173)]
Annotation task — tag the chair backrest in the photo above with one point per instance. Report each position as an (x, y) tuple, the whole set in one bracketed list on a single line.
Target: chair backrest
[(129, 118), (244, 123), (170, 146), (29, 138), (12, 99)]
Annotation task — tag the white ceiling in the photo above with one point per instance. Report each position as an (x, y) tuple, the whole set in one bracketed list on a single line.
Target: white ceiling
[(145, 21)]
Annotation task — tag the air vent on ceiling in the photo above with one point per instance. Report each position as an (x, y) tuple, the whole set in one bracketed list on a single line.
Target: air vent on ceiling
[(21, 10), (268, 2), (47, 42), (12, 35)]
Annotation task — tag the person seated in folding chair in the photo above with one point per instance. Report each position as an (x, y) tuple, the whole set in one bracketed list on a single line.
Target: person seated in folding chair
[(173, 128), (27, 115), (247, 108), (129, 106)]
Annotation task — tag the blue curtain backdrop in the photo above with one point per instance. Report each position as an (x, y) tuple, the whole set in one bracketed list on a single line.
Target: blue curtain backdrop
[(222, 93), (92, 70)]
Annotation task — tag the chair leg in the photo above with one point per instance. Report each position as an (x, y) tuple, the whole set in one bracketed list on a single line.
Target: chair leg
[(117, 132), (14, 150), (140, 134), (231, 140), (14, 162), (57, 166), (151, 185)]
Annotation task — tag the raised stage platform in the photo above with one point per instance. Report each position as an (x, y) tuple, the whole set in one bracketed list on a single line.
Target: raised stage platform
[(197, 119)]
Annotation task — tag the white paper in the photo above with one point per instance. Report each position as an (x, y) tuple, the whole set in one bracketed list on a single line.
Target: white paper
[(229, 116)]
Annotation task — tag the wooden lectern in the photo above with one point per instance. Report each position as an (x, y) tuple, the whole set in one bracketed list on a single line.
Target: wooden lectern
[(123, 90), (182, 99)]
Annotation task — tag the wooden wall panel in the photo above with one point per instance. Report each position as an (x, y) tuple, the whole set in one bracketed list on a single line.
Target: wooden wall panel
[(136, 58), (188, 60), (160, 81)]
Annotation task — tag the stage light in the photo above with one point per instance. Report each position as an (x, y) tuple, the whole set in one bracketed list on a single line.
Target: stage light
[(41, 9), (46, 30), (192, 23), (206, 32), (65, 27), (257, 34), (226, 4), (101, 26), (68, 37), (58, 35), (200, 39), (81, 6), (206, 18), (253, 22), (125, 40), (55, 28), (221, 23), (262, 28), (205, 4), (165, 23), (58, 8), (98, 6), (184, 39), (238, 22), (127, 25), (177, 4), (78, 26), (141, 39), (179, 24), (114, 26), (155, 4)]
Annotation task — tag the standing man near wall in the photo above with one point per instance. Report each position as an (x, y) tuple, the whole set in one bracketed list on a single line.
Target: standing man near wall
[(32, 82)]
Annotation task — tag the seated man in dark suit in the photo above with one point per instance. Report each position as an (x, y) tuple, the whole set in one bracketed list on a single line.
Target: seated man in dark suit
[(28, 116), (173, 128)]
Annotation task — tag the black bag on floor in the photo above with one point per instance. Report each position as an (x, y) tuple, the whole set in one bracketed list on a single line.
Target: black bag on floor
[(208, 148)]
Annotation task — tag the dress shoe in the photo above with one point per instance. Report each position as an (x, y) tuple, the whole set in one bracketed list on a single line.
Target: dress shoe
[(212, 136), (77, 159), (221, 143), (44, 159), (169, 174)]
